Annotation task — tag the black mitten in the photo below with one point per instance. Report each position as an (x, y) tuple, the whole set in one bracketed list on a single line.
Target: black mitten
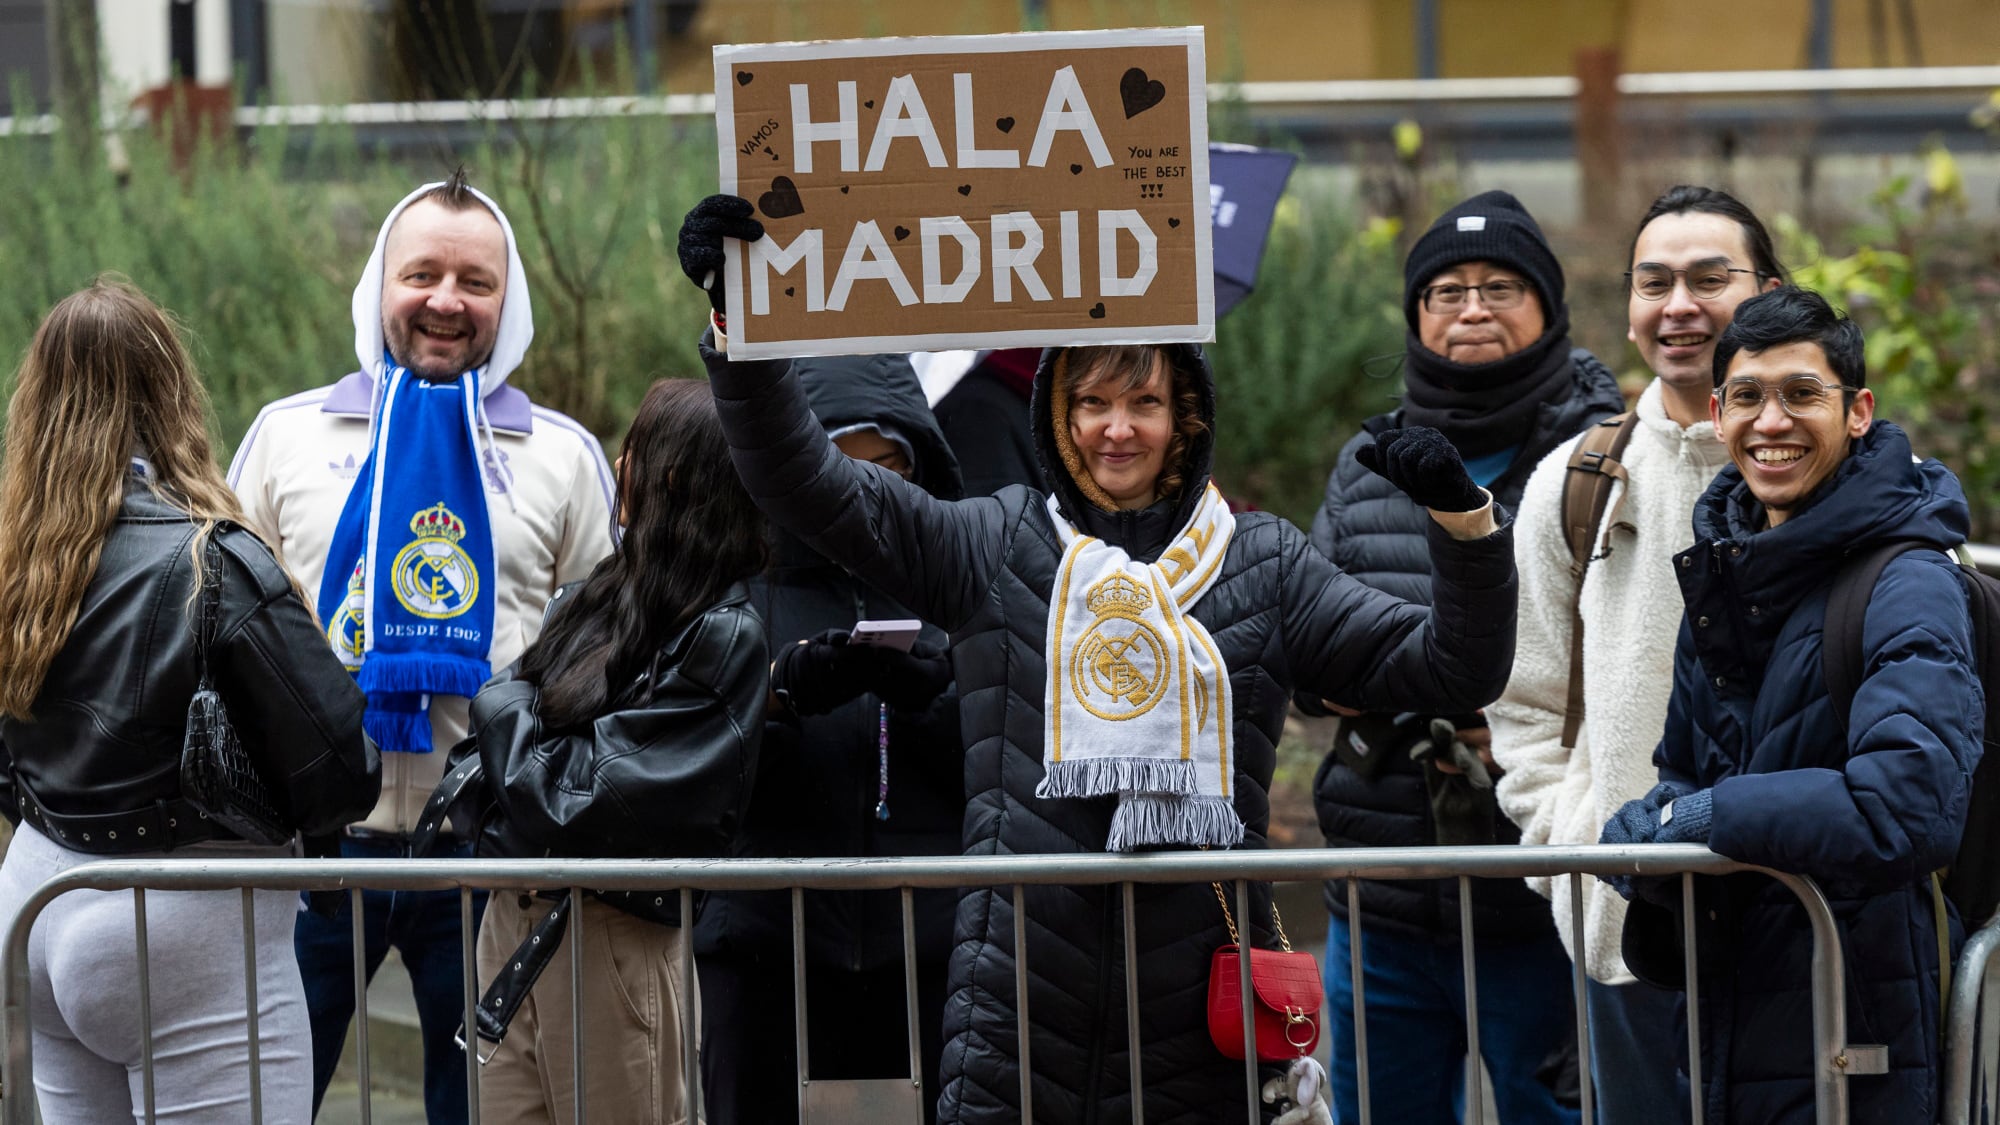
[(910, 681), (1426, 466), (820, 673), (712, 220)]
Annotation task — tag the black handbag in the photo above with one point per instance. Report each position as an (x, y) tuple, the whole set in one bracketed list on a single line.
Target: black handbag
[(218, 776)]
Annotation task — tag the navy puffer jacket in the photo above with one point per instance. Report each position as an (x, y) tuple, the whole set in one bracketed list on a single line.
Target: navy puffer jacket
[(983, 568), (1377, 534), (1867, 814)]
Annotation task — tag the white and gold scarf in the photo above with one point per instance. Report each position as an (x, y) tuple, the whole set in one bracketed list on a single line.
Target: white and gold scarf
[(1138, 702)]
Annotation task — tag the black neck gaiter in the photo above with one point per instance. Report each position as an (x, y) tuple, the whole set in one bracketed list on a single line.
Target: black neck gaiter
[(1485, 408)]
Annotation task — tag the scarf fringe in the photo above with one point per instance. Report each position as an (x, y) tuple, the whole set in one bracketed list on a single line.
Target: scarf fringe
[(1096, 777), (407, 732), (1149, 820), (436, 673)]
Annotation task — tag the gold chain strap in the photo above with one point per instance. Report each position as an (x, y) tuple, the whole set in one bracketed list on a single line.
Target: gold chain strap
[(1229, 919)]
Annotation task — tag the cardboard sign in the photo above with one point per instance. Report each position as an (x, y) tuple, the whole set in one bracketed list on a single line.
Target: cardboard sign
[(990, 191)]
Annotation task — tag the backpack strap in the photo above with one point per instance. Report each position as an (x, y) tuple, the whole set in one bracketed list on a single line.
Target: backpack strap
[(1846, 610), (1594, 468)]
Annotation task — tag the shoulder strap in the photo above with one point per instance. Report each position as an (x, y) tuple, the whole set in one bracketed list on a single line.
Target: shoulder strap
[(1594, 467), (1846, 611), (210, 603)]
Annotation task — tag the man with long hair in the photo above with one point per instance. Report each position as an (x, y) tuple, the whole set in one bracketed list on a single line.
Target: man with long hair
[(433, 511)]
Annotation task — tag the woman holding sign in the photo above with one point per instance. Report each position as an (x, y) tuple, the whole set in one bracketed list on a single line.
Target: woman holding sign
[(1124, 647)]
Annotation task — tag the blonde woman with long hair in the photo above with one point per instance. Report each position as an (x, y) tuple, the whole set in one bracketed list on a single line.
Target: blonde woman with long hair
[(116, 516)]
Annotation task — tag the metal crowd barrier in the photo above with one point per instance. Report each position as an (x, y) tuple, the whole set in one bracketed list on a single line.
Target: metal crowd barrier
[(1832, 1062), (1972, 1033)]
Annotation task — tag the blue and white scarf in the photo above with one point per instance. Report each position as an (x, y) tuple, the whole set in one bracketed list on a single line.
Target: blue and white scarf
[(409, 578)]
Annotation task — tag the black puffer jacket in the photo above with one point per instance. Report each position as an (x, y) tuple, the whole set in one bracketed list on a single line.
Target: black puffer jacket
[(663, 773), (112, 712), (817, 779), (984, 568), (1377, 534)]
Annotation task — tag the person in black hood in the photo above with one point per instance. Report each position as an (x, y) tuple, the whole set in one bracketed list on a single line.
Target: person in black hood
[(1084, 730), (861, 758), (1489, 365)]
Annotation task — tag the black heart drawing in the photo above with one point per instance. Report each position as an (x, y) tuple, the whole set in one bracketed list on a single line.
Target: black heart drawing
[(1097, 311), (742, 78), (965, 189), (1140, 94), (782, 201), (1076, 169), (767, 150), (870, 103), (843, 189), (902, 233), (774, 156), (1173, 222), (1005, 124), (788, 290)]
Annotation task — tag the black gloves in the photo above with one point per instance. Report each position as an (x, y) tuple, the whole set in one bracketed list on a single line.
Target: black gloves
[(821, 673), (712, 220), (1426, 466)]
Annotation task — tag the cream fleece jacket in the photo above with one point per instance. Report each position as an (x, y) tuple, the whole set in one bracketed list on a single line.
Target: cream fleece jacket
[(1631, 605)]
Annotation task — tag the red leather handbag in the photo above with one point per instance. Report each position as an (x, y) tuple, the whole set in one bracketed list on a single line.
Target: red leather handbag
[(1286, 993)]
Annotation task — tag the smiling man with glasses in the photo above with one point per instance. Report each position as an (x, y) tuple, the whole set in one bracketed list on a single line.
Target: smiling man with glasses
[(1754, 762)]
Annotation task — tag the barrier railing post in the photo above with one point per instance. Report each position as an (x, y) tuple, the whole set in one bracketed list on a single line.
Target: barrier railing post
[(1830, 1006), (1963, 1060), (1693, 979), (912, 1009), (360, 945), (1360, 999), (1021, 1003), (1475, 1098), (1246, 937), (1586, 1088), (145, 1006), (469, 982), (1132, 1041), (576, 1001), (799, 995), (690, 1023), (250, 1006)]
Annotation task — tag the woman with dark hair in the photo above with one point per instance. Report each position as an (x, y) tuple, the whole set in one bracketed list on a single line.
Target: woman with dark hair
[(124, 559), (630, 728), (1124, 649)]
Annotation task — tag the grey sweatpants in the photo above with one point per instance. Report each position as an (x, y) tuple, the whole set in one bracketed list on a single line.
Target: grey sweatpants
[(84, 997)]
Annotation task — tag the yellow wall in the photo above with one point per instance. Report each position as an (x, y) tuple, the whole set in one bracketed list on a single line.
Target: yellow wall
[(1273, 40)]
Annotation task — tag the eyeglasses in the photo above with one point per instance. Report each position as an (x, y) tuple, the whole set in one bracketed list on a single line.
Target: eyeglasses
[(1497, 295), (1801, 396), (1655, 283)]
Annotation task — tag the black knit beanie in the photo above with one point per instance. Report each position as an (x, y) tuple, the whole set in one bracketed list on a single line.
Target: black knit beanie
[(1490, 227)]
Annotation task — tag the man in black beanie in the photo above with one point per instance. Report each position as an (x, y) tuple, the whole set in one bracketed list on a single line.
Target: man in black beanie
[(1488, 364)]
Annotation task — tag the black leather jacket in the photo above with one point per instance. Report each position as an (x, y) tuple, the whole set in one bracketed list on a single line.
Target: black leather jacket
[(111, 717), (666, 773)]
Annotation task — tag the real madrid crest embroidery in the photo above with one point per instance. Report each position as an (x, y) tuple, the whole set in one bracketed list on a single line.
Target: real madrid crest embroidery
[(346, 629), (1118, 668), (432, 576)]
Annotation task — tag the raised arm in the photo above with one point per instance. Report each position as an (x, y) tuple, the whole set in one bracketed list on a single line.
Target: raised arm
[(1375, 652)]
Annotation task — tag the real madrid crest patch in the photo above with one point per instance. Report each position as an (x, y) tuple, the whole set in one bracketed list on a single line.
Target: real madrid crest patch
[(432, 577), (1118, 669)]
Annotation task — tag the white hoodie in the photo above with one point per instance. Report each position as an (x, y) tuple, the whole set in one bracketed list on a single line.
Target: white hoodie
[(551, 488), (1631, 607)]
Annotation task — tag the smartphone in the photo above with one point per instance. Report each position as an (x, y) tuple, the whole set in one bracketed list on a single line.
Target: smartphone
[(899, 634)]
